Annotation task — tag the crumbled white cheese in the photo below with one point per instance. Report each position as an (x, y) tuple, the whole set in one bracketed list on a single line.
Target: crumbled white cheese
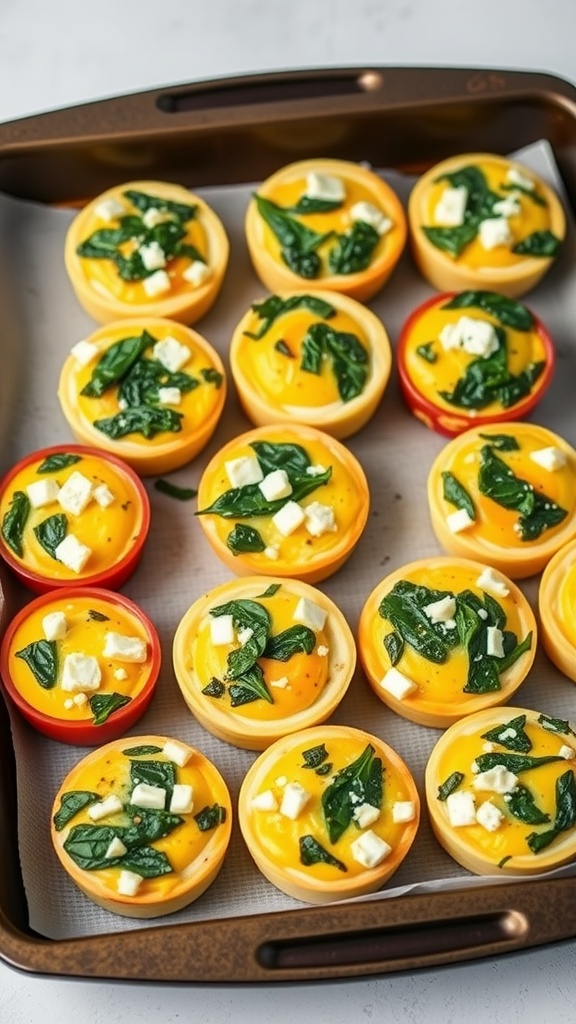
[(169, 396), (470, 334), (566, 752), (461, 808), (55, 625), (244, 635), (80, 672), (129, 882), (115, 849), (294, 800), (68, 703), (310, 614), (109, 209), (365, 815), (489, 816), (177, 752), (42, 492), (493, 232), (325, 186), (320, 519), (171, 353), (441, 610), (288, 518), (84, 351), (120, 674), (550, 459), (75, 494), (510, 206), (157, 284), (496, 780), (110, 805), (272, 552), (451, 207), (370, 214), (265, 801), (321, 650), (458, 520), (369, 849), (315, 470), (494, 642), (493, 583), (125, 648), (517, 177), (275, 485), (79, 699), (72, 553), (153, 256), (153, 216), (196, 272), (222, 630), (243, 471), (280, 683), (397, 684), (149, 797), (403, 811), (182, 800)]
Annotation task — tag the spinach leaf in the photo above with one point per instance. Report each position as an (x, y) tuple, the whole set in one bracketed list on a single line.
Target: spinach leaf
[(531, 193), (456, 494), (96, 616), (71, 804), (115, 362), (244, 538), (298, 242), (497, 481), (60, 460), (143, 202), (87, 845), (353, 250), (51, 532), (402, 606), (271, 590), (565, 813), (215, 688), (210, 375), (294, 640), (273, 307), (271, 455), (281, 347), (248, 679), (209, 817), (509, 312), (154, 773), (511, 735), (452, 241), (450, 785), (14, 522), (357, 783), (427, 352), (479, 205), (140, 419), (394, 646), (249, 686), (102, 705), (145, 748), (488, 379), (348, 356), (310, 204), (312, 852), (148, 825), (173, 491), (522, 805), (502, 442), (41, 656), (516, 763), (146, 861), (539, 243), (315, 756), (556, 725)]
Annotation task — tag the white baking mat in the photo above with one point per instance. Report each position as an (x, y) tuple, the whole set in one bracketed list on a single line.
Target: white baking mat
[(41, 321)]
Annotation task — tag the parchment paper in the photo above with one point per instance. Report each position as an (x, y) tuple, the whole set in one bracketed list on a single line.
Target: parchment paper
[(41, 321)]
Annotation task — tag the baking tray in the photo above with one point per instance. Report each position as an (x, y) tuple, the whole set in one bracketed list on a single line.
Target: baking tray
[(227, 132)]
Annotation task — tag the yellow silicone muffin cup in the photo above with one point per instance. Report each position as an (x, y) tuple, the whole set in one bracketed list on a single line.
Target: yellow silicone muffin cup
[(557, 607)]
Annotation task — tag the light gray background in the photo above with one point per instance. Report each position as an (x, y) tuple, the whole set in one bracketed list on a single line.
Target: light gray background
[(63, 52)]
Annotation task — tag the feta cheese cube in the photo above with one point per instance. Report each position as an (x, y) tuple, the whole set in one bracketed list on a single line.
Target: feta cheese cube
[(80, 672), (55, 625), (169, 396), (315, 470), (275, 485), (129, 882), (125, 648), (365, 815), (109, 805), (322, 650), (115, 849), (320, 519), (157, 284), (68, 703), (153, 256), (72, 553), (458, 520), (182, 801), (549, 459), (493, 232), (566, 752), (265, 801), (177, 752), (149, 797), (451, 207), (370, 214), (222, 630), (244, 635), (120, 674), (288, 518), (109, 209), (272, 552), (325, 186), (461, 808), (493, 583), (494, 642), (510, 206), (441, 610), (171, 353), (294, 800), (496, 780), (196, 273), (75, 494), (369, 849), (103, 495), (243, 471), (397, 684), (489, 816), (79, 699), (470, 334), (517, 177), (153, 216), (310, 614), (42, 492), (84, 352), (403, 811)]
